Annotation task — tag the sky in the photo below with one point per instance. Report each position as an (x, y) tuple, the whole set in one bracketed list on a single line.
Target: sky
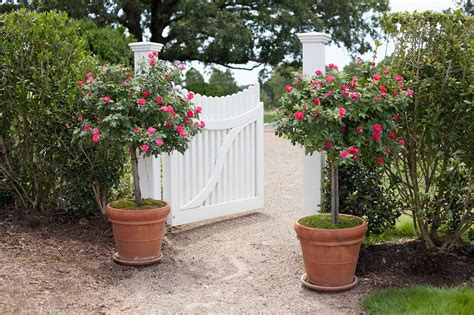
[(339, 55)]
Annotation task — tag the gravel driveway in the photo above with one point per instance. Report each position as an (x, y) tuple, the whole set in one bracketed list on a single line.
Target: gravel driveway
[(244, 264)]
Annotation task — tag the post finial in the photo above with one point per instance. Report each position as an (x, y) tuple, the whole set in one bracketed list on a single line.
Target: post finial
[(314, 37)]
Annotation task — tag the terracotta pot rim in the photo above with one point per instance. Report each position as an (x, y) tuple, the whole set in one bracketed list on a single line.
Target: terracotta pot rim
[(139, 210), (363, 223)]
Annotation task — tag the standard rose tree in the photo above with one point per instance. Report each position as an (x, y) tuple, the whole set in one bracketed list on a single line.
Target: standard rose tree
[(144, 113), (349, 116)]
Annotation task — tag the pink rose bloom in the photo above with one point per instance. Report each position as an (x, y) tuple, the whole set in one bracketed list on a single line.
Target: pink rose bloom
[(202, 124), (86, 128), (306, 107), (345, 93), (179, 129), (95, 137), (198, 110), (151, 130), (359, 129), (159, 100), (80, 83), (328, 93), (152, 62), (316, 101), (401, 141), (96, 131), (354, 95), (299, 115), (146, 94), (89, 74), (136, 129), (386, 150), (328, 145), (352, 150), (376, 136), (151, 55), (344, 87), (190, 114), (288, 88), (168, 124), (331, 66), (409, 92), (105, 99), (183, 134), (79, 118), (141, 102), (383, 89), (395, 93), (355, 157), (342, 112), (385, 70), (318, 72), (395, 117), (330, 78), (392, 135), (379, 160), (400, 86), (377, 128), (343, 154), (159, 142), (186, 121), (398, 77), (377, 77), (190, 95), (144, 148)]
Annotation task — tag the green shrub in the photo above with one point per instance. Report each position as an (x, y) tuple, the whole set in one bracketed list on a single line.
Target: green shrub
[(41, 58), (109, 44), (434, 173), (362, 193)]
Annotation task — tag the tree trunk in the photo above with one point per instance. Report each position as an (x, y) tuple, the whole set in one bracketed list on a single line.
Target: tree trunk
[(334, 192), (136, 178), (133, 18)]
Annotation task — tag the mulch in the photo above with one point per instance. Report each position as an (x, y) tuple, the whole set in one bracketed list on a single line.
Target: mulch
[(406, 263)]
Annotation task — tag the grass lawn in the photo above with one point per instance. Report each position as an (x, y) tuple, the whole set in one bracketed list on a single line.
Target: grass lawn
[(268, 117), (421, 300), (403, 229)]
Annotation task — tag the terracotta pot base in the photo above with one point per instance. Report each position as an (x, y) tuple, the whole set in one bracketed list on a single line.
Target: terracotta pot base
[(318, 288), (144, 262)]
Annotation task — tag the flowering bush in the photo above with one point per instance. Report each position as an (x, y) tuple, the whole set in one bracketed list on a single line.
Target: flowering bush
[(143, 112), (349, 117)]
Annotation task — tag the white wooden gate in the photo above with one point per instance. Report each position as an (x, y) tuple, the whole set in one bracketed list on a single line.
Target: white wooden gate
[(222, 171)]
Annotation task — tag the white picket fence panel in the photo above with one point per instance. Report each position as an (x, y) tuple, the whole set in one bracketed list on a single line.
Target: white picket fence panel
[(222, 171)]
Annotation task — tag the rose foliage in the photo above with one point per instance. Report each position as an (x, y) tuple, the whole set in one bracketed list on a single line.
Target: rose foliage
[(349, 117), (145, 112)]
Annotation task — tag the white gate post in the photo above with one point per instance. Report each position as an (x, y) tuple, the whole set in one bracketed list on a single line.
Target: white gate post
[(314, 45), (149, 169)]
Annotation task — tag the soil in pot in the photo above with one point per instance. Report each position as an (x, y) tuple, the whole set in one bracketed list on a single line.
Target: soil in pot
[(138, 231), (330, 252)]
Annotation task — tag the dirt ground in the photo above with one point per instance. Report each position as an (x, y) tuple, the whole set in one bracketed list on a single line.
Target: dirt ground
[(241, 264)]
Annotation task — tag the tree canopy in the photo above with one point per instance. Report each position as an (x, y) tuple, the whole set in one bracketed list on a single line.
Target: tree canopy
[(230, 32)]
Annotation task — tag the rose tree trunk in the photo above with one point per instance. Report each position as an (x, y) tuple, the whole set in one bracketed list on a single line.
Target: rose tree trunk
[(136, 178)]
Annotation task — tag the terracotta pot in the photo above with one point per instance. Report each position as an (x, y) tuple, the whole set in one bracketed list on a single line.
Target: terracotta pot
[(330, 256), (138, 234)]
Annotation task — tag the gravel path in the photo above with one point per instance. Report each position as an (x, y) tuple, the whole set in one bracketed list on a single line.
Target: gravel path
[(242, 264), (245, 264)]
